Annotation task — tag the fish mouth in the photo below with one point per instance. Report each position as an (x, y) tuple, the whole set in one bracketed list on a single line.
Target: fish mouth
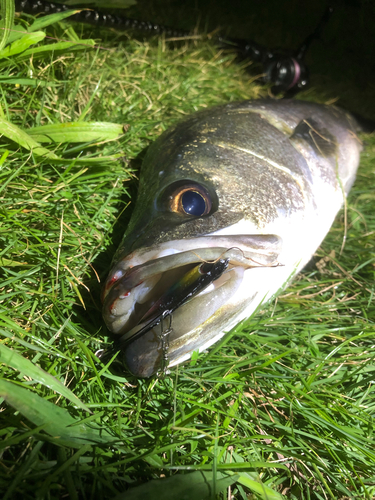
[(158, 300)]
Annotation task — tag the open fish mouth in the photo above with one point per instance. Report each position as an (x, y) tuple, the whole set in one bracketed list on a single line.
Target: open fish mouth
[(157, 300)]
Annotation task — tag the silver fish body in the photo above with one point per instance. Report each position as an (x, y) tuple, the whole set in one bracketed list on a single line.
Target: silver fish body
[(257, 183)]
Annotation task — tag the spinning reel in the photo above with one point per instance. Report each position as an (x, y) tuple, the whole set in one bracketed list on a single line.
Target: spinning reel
[(286, 71)]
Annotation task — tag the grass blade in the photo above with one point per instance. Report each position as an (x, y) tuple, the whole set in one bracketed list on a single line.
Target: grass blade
[(259, 488), (50, 19), (22, 44), (76, 132), (6, 22), (11, 358), (56, 421), (182, 486), (23, 139)]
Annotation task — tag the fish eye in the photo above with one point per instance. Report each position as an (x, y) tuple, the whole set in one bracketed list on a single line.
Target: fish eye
[(191, 199)]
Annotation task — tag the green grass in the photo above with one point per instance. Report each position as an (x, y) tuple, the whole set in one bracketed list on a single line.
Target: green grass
[(283, 406)]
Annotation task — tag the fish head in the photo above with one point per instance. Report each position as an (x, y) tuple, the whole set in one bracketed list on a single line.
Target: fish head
[(189, 190), (205, 244)]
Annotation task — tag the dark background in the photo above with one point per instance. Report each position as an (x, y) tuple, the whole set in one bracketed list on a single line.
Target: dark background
[(341, 62)]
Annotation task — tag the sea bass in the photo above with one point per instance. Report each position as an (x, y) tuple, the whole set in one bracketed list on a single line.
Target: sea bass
[(232, 203)]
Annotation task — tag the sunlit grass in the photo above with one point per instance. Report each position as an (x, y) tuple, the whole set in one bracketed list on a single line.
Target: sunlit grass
[(282, 406)]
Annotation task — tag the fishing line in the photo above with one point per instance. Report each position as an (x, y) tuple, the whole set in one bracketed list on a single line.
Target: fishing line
[(251, 259), (164, 340), (259, 264), (220, 256)]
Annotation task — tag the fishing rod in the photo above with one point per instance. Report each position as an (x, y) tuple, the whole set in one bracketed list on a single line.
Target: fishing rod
[(285, 70), (98, 18)]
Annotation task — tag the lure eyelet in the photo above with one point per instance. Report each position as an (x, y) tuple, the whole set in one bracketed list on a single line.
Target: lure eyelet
[(192, 199)]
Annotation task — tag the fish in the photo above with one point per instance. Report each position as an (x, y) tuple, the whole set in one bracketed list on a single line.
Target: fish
[(232, 203)]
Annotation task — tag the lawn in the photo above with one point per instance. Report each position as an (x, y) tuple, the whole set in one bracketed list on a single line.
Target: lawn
[(282, 407)]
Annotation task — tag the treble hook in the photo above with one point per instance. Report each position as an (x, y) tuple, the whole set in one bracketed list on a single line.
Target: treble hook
[(164, 339)]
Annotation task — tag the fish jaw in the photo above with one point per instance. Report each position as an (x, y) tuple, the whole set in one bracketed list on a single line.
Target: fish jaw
[(139, 279)]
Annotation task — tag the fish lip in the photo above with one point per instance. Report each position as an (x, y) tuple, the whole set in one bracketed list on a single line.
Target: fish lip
[(124, 278), (130, 271), (244, 252), (194, 283), (265, 252)]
